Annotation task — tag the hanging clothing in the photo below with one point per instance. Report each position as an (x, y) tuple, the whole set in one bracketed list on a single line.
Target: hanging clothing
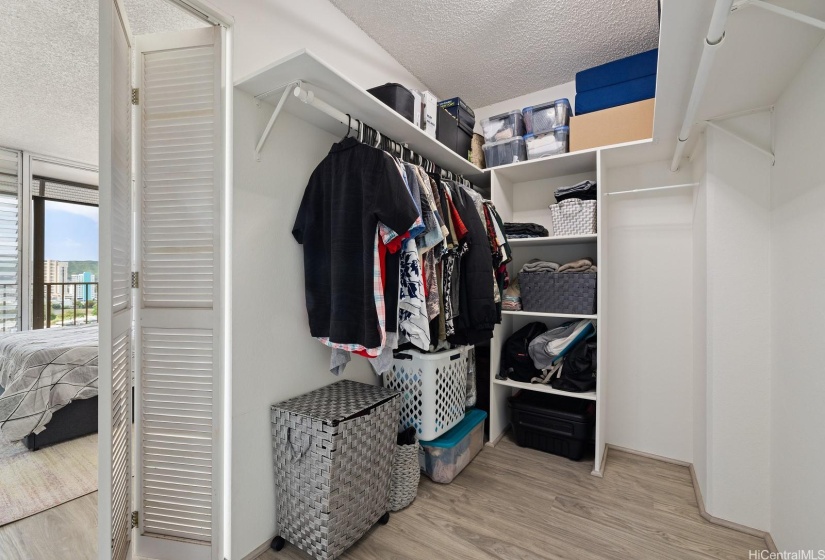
[(412, 316), (350, 191)]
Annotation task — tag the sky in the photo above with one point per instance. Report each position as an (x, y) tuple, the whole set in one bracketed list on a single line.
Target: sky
[(71, 232)]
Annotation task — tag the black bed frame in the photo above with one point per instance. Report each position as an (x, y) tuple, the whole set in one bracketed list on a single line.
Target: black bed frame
[(78, 418)]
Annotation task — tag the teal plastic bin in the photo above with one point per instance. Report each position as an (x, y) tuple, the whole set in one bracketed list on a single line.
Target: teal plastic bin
[(444, 458)]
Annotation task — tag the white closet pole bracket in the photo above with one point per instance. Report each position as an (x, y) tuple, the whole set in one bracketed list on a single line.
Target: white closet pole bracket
[(272, 119), (782, 12), (745, 141), (715, 36), (682, 186)]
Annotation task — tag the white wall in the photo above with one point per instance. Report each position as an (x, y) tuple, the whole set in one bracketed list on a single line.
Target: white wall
[(274, 357), (798, 312), (700, 319), (649, 249), (738, 332)]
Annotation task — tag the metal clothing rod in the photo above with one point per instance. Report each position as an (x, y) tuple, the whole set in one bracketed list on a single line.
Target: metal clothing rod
[(716, 33), (682, 186)]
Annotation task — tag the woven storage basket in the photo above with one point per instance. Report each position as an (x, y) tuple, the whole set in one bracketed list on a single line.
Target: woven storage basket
[(333, 451), (554, 292), (476, 151), (574, 216), (406, 473), (433, 387)]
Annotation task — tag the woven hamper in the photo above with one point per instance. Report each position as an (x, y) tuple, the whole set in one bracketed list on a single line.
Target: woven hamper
[(574, 216), (333, 450), (406, 474), (554, 292)]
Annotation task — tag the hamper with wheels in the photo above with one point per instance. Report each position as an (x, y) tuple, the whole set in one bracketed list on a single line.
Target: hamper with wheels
[(333, 450)]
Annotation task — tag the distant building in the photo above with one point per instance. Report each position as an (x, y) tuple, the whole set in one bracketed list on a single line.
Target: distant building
[(56, 272), (85, 293)]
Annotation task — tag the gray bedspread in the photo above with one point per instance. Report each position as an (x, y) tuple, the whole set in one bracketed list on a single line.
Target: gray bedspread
[(42, 371)]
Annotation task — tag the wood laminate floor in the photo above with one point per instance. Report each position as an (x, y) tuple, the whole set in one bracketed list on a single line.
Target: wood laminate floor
[(509, 504)]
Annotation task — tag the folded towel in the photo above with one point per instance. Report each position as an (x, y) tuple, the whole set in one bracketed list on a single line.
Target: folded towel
[(537, 265), (581, 265)]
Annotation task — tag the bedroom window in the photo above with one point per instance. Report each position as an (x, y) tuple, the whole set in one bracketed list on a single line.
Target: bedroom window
[(65, 254)]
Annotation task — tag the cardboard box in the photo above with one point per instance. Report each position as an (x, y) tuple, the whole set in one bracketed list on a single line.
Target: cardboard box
[(616, 125), (429, 116), (416, 107)]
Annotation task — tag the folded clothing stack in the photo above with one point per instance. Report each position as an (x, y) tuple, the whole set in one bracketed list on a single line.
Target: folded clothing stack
[(515, 230), (512, 297), (586, 190), (579, 265)]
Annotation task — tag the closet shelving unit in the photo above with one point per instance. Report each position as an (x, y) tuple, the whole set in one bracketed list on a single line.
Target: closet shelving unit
[(522, 192)]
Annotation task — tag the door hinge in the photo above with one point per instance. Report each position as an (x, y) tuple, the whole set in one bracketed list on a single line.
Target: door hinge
[(134, 519), (135, 96), (136, 279)]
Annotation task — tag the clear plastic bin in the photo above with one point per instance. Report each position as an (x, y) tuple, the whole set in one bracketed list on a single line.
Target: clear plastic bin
[(504, 152), (550, 144), (503, 127), (540, 119), (444, 458)]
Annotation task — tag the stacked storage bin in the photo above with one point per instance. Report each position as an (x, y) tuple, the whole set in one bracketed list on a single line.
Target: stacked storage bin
[(620, 82), (504, 137), (547, 127), (455, 126)]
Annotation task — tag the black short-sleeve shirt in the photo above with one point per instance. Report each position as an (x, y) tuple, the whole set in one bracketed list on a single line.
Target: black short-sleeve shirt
[(350, 191)]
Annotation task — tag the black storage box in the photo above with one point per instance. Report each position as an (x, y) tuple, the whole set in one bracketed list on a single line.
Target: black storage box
[(460, 110), (397, 97), (454, 134), (554, 424)]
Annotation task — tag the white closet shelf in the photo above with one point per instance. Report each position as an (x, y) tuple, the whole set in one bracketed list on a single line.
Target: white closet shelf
[(539, 315), (549, 167), (591, 396), (558, 240), (348, 97)]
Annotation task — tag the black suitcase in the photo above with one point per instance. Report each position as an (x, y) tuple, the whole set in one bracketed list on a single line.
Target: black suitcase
[(397, 97), (552, 423)]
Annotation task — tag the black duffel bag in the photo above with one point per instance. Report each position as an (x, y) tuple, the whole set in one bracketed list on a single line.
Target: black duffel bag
[(516, 363), (578, 372)]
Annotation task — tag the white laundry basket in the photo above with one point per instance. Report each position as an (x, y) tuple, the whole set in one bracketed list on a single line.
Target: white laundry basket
[(574, 217), (433, 389)]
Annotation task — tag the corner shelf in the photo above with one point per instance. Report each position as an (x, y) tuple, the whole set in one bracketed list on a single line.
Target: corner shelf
[(539, 315), (560, 165), (558, 240), (590, 396)]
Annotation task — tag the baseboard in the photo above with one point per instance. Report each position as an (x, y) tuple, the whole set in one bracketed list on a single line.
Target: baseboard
[(493, 443), (770, 544), (258, 551)]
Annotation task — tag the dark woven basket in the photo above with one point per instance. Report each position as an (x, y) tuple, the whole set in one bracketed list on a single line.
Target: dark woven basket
[(553, 292)]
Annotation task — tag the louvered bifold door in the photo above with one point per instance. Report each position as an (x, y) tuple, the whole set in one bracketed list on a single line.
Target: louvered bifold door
[(179, 185), (114, 295), (10, 184)]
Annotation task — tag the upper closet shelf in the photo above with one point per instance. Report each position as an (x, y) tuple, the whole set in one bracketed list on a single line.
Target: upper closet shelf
[(269, 83), (549, 167)]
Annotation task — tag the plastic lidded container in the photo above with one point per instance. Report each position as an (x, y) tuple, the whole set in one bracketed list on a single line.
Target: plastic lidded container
[(506, 151), (550, 144), (503, 127), (543, 118), (444, 458)]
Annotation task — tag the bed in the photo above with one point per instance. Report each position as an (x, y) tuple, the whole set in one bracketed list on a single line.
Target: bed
[(49, 384)]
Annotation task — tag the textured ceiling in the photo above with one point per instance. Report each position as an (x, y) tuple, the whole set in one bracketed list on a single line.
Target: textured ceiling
[(49, 71), (487, 51)]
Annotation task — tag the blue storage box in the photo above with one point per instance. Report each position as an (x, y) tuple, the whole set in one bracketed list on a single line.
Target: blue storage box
[(444, 458), (616, 72), (460, 110), (615, 95)]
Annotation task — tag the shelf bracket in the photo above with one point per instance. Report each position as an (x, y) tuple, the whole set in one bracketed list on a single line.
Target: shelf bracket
[(781, 11), (274, 117), (733, 134)]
